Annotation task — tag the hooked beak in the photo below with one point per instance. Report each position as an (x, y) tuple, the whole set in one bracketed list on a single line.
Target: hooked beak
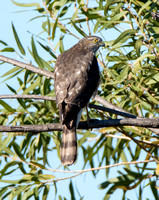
[(101, 44)]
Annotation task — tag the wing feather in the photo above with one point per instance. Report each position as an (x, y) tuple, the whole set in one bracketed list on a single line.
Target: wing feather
[(78, 80)]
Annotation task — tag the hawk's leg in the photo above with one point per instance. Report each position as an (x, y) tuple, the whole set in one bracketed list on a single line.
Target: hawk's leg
[(88, 117)]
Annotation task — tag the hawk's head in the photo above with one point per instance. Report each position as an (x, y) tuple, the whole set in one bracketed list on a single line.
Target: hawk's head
[(92, 43)]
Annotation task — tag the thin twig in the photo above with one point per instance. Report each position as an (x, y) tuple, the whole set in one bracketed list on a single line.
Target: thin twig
[(54, 18), (79, 171), (87, 20), (138, 143), (125, 138), (22, 96), (144, 34)]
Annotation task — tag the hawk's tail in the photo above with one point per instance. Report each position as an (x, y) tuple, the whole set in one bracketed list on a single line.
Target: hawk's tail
[(68, 145)]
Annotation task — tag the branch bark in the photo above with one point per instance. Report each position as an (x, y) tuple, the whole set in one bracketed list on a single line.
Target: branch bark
[(122, 111), (27, 66), (26, 96), (93, 123)]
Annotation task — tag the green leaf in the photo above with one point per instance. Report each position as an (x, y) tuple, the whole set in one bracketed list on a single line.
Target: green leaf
[(72, 191), (32, 86), (7, 49), (78, 29), (20, 189), (5, 142), (6, 106), (151, 98), (15, 69), (10, 181), (54, 28), (25, 4), (18, 151), (45, 176), (47, 48), (42, 63), (138, 45), (38, 165), (48, 23), (4, 43), (145, 6), (61, 48), (109, 2), (11, 89), (5, 189), (18, 40), (124, 34), (36, 57), (123, 74), (146, 55), (154, 189), (123, 180), (46, 191)]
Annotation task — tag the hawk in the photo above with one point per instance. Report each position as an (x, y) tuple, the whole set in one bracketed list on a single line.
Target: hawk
[(76, 78)]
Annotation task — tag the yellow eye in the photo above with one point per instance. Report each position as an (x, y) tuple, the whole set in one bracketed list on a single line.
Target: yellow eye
[(95, 40)]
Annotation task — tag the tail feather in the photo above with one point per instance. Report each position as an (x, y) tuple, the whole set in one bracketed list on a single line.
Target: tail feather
[(69, 145)]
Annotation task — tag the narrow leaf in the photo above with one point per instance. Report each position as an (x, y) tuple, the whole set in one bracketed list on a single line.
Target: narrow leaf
[(124, 34), (54, 28), (78, 29), (6, 106), (18, 40), (25, 4)]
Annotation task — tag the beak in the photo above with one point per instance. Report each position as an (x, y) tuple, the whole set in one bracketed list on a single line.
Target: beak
[(101, 44)]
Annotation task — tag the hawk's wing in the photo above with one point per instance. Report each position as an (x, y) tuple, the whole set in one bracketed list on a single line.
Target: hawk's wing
[(76, 79)]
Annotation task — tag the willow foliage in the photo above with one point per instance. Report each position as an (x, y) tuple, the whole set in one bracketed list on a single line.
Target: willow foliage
[(129, 79)]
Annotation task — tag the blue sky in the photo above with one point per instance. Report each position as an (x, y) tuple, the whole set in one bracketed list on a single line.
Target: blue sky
[(86, 183)]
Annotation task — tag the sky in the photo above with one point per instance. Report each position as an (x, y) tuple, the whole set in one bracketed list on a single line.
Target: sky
[(86, 183)]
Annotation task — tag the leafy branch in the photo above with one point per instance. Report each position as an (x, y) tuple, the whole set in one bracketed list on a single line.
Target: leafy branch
[(141, 122)]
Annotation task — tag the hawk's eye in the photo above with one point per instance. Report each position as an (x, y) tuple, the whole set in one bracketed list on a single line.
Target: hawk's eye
[(95, 40)]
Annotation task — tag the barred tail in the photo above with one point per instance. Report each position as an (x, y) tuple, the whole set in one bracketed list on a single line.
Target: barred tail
[(68, 145)]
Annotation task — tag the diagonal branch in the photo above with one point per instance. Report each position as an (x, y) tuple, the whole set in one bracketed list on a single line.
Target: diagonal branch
[(117, 112), (76, 171), (27, 66), (116, 108), (141, 146), (26, 96)]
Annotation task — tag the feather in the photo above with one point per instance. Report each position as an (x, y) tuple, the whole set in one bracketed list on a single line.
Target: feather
[(69, 144)]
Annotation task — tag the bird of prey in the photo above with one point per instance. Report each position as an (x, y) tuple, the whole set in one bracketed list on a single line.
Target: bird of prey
[(76, 78)]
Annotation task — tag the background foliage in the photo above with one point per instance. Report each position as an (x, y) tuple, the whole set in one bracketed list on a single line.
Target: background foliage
[(129, 79)]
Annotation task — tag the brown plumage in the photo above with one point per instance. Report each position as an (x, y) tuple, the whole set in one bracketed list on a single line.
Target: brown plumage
[(76, 79)]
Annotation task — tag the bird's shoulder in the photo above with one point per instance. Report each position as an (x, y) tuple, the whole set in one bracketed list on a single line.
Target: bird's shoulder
[(74, 55)]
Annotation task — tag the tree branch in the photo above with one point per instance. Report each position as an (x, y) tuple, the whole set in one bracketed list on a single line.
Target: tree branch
[(110, 107), (77, 171), (27, 66), (26, 96), (122, 111), (93, 123), (141, 146)]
